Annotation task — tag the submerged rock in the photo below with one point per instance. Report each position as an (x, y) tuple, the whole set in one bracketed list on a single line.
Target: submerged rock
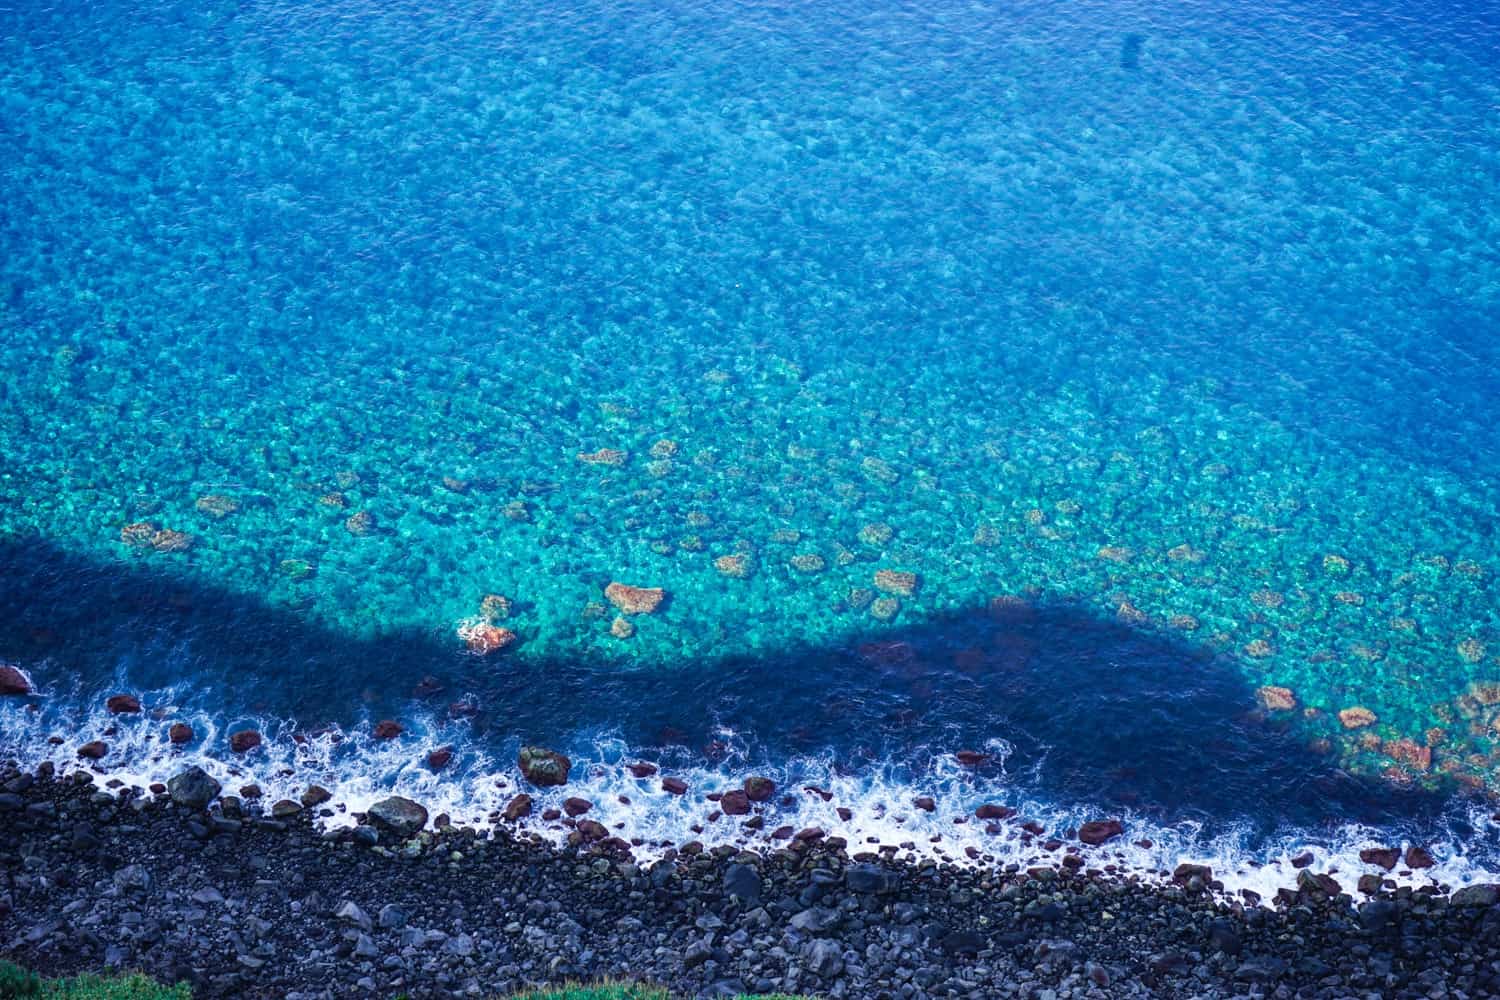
[(1276, 699), (388, 729), (634, 600), (244, 741), (898, 582), (193, 788), (482, 638), (1356, 717), (401, 816), (612, 457), (544, 767)]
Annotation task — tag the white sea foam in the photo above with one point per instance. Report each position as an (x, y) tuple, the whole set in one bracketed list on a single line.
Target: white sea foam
[(481, 780)]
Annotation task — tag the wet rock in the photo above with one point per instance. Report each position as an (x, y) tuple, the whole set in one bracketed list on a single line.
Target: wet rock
[(634, 600), (544, 768), (576, 807), (123, 704), (193, 788), (13, 681), (735, 803), (285, 808), (93, 750), (674, 786), (990, 811), (482, 638), (592, 831), (925, 803), (972, 758), (1096, 832), (180, 733), (1385, 857), (244, 741), (1484, 894), (759, 789), (869, 879), (518, 807), (1418, 857), (388, 729), (439, 758), (315, 796), (401, 816), (642, 769)]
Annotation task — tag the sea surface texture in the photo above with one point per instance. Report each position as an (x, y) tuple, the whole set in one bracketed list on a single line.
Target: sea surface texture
[(1104, 388)]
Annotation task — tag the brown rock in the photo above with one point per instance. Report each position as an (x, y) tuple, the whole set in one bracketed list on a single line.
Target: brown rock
[(758, 789), (482, 639), (518, 807), (735, 803), (991, 811), (388, 729), (315, 796), (1276, 699), (1410, 752), (675, 786), (576, 807), (92, 750), (1096, 832), (621, 628), (244, 741), (642, 769), (12, 681), (494, 607), (1385, 857), (634, 600), (123, 704), (896, 582), (1356, 717), (167, 540), (181, 733), (972, 758), (592, 830), (439, 758), (1418, 857), (735, 565), (361, 522), (138, 533)]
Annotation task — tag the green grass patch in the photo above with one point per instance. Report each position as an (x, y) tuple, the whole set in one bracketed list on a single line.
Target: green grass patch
[(16, 982)]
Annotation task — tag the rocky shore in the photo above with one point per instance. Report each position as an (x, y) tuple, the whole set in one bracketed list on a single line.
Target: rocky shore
[(245, 903)]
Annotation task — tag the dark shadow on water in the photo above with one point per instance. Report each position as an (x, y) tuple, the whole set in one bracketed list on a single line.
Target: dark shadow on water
[(1096, 711)]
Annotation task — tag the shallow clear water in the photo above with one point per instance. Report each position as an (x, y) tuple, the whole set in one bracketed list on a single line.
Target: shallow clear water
[(1177, 325)]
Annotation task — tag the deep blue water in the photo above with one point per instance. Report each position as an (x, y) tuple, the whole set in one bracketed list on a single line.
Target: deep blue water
[(1179, 324)]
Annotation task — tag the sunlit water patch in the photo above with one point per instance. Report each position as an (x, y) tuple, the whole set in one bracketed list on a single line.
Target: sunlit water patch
[(336, 330)]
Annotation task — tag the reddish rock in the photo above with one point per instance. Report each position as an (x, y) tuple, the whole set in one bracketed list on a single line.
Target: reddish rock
[(12, 681), (642, 769), (634, 600), (92, 750), (576, 807), (758, 789), (250, 791), (1418, 857), (121, 704), (992, 811), (592, 830), (388, 729), (551, 815), (1096, 832), (674, 785), (439, 758), (181, 733), (1409, 752), (972, 758), (735, 803), (1276, 699), (543, 767), (1385, 857), (482, 639), (810, 835), (782, 833), (244, 741), (924, 803), (1034, 828), (315, 796), (1356, 717), (518, 807)]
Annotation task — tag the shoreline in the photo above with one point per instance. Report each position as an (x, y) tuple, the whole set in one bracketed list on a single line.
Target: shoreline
[(270, 905)]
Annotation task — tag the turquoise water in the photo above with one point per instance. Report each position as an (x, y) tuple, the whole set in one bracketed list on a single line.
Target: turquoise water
[(1180, 320)]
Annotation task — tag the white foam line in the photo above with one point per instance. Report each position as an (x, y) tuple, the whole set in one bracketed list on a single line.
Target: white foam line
[(360, 770)]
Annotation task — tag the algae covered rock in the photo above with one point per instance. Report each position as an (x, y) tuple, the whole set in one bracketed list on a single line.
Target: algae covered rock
[(544, 767)]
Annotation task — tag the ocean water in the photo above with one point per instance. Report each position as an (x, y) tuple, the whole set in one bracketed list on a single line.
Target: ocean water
[(1102, 387)]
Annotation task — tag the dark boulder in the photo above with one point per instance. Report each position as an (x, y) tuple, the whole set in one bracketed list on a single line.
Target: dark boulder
[(244, 741), (12, 681), (518, 807), (735, 803), (401, 816), (758, 789), (123, 704), (1096, 832), (193, 788), (543, 767)]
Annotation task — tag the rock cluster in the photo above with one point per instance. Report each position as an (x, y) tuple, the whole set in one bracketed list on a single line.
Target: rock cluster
[(241, 901)]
